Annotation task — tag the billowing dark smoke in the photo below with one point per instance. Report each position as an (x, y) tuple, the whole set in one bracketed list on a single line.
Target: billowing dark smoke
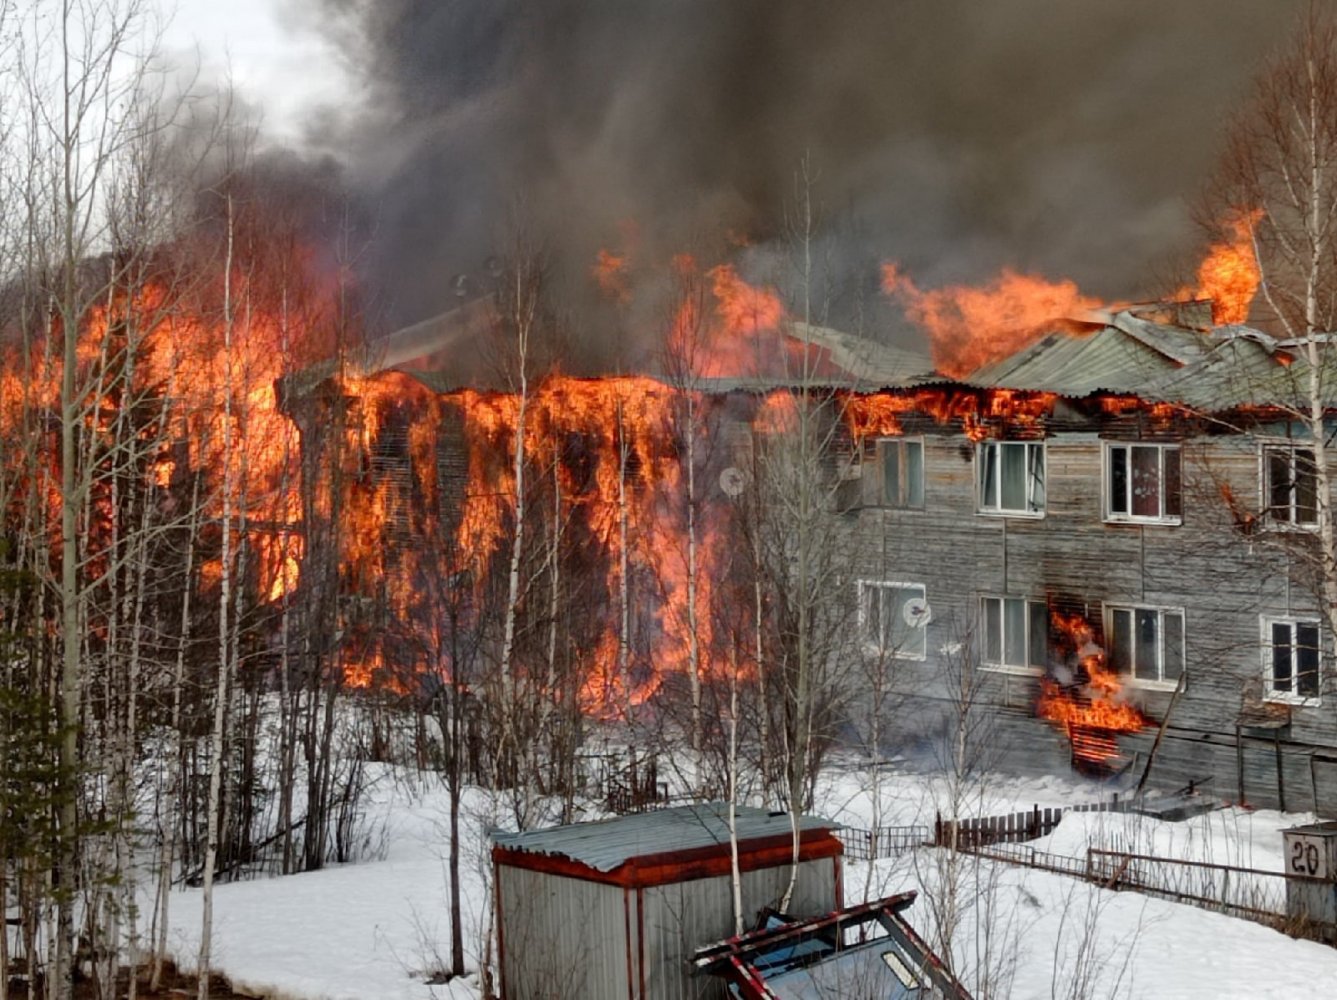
[(956, 136)]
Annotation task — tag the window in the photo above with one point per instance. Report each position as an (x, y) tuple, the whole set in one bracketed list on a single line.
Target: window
[(1016, 633), (1011, 477), (1146, 644), (902, 464), (1290, 487), (1291, 653), (893, 618), (1142, 482)]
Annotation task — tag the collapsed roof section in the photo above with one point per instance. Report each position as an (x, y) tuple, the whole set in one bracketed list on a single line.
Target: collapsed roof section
[(1158, 352), (1208, 371)]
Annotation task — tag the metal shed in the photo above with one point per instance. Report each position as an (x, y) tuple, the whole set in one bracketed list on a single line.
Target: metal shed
[(615, 909)]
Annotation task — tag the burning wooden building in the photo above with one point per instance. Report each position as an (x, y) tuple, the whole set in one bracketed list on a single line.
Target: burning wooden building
[(1115, 531), (1122, 540)]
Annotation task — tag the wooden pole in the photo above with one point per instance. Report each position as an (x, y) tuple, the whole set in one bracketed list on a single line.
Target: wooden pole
[(1239, 763), (1281, 777), (1160, 733)]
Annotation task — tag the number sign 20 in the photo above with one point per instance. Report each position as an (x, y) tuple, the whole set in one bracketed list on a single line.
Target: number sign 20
[(1306, 857)]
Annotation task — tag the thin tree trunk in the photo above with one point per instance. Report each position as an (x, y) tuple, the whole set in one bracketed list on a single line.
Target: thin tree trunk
[(225, 647)]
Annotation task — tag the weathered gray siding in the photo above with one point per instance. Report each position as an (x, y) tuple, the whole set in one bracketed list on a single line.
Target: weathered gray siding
[(681, 917), (1222, 578), (562, 937)]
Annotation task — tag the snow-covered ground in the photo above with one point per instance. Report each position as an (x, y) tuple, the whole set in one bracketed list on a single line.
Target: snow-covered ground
[(377, 930)]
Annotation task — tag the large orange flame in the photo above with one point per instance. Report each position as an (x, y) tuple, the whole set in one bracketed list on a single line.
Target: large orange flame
[(1229, 274), (1092, 705), (973, 326)]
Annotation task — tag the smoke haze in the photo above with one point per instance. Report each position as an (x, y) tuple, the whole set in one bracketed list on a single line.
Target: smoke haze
[(955, 136)]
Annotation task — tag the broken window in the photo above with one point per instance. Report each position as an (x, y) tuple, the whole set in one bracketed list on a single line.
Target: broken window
[(1016, 633), (893, 618), (1146, 643), (1011, 477), (1290, 485), (1291, 654), (902, 463), (1143, 482)]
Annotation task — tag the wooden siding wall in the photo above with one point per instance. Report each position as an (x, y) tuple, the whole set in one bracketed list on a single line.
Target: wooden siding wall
[(1222, 579)]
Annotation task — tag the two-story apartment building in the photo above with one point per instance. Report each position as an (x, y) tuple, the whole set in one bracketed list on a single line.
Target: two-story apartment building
[(1104, 542), (1121, 534)]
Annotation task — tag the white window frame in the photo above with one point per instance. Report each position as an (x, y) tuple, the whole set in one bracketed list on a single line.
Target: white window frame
[(992, 505), (1160, 683), (1270, 523), (1265, 634), (1030, 669), (902, 444), (1126, 516), (877, 648)]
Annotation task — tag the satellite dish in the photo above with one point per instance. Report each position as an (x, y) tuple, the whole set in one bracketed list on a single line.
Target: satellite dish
[(916, 612), (732, 481)]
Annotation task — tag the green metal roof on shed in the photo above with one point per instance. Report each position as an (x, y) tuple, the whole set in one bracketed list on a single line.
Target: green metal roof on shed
[(604, 845)]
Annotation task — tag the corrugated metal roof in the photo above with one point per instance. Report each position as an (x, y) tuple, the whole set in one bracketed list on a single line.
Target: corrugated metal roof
[(1109, 360), (1179, 345), (608, 844), (1232, 374), (1246, 368), (867, 361)]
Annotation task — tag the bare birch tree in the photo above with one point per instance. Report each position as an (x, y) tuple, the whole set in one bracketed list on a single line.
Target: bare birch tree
[(1279, 171)]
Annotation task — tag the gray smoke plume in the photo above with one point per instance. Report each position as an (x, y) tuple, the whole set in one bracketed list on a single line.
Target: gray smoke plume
[(953, 135)]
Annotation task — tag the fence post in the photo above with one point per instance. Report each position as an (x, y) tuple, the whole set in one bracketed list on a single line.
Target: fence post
[(1035, 820)]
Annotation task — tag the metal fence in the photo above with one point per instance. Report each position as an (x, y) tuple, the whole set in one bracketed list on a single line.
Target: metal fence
[(1255, 893), (882, 842)]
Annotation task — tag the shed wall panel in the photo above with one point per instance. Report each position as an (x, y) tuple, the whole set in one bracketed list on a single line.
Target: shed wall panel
[(683, 916), (562, 937)]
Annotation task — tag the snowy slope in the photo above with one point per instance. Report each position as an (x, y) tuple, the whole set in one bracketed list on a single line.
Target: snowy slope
[(374, 931)]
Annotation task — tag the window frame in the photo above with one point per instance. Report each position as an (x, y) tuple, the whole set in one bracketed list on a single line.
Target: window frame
[(1159, 683), (877, 648), (903, 488), (1266, 446), (1127, 516), (1270, 693), (997, 510), (1000, 665)]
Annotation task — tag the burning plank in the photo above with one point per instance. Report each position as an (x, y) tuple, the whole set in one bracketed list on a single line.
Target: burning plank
[(1088, 706)]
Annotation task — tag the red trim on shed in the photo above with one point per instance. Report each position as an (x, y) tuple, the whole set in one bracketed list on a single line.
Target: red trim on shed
[(680, 866)]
